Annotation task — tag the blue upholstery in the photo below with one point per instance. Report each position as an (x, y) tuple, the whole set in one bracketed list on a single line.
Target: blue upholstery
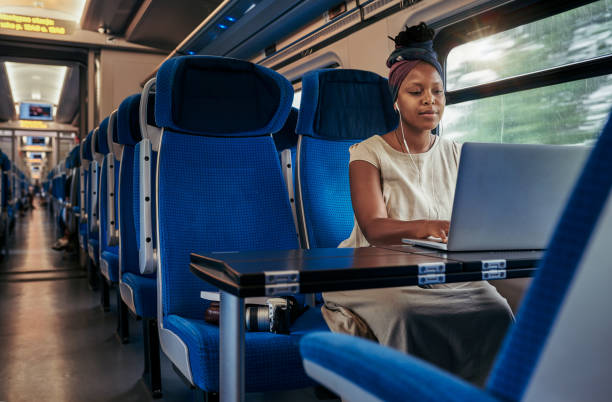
[(525, 341), (244, 218), (110, 265), (286, 138), (143, 288), (345, 105), (272, 361), (87, 147), (101, 142), (128, 129), (191, 102), (338, 109), (219, 193), (386, 373)]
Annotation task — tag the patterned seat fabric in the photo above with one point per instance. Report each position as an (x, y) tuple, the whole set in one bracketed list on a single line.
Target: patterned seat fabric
[(220, 188)]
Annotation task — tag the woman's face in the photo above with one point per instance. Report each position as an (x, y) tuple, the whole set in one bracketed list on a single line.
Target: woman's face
[(421, 98)]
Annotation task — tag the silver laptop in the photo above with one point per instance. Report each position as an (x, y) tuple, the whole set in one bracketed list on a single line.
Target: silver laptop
[(509, 196)]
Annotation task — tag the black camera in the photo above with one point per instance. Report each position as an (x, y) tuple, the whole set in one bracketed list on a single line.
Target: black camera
[(276, 316)]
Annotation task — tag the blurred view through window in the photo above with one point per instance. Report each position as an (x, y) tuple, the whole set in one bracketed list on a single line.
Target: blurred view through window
[(569, 113)]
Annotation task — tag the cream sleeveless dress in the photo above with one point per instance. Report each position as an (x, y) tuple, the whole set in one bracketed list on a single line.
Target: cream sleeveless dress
[(459, 326)]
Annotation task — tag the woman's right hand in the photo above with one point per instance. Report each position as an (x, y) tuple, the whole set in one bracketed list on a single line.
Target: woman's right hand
[(437, 229)]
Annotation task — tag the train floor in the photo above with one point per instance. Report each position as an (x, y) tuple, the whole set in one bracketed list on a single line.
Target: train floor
[(56, 343)]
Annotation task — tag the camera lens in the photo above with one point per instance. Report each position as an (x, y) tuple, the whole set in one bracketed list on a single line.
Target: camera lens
[(257, 318)]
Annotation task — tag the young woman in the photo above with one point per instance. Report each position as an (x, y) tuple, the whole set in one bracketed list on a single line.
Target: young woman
[(402, 185)]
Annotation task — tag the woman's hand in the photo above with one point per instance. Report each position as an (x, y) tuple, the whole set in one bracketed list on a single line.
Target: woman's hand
[(437, 229)]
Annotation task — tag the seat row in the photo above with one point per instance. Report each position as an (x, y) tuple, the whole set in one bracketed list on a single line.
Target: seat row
[(211, 157)]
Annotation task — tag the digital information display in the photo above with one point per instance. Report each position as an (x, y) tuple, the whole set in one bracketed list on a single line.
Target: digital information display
[(24, 23), (35, 111)]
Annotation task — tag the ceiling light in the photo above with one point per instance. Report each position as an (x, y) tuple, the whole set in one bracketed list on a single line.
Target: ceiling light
[(79, 12), (252, 6), (24, 89)]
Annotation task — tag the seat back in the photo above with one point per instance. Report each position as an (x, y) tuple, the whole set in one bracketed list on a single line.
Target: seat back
[(94, 178), (86, 158), (338, 109), (112, 167), (219, 184), (559, 344), (128, 135), (104, 203)]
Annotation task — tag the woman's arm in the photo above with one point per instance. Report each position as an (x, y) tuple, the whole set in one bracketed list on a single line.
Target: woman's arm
[(371, 212)]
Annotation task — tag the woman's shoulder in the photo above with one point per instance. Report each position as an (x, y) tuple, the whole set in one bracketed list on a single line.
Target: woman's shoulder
[(373, 142), (368, 150)]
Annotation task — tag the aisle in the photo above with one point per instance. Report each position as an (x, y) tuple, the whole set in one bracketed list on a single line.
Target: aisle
[(56, 343)]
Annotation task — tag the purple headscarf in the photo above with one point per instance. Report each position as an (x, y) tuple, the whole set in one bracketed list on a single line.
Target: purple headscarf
[(403, 59)]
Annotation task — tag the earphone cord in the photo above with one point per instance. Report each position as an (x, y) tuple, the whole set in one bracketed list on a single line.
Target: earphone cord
[(433, 192)]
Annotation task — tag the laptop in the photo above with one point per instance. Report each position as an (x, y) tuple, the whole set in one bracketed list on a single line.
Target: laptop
[(509, 196)]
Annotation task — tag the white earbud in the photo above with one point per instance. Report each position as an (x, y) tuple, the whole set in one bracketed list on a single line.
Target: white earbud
[(396, 106)]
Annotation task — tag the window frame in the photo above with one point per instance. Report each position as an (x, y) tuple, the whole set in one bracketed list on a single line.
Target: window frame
[(504, 18)]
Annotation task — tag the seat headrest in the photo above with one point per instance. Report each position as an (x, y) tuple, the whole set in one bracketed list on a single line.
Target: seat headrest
[(115, 137), (87, 147), (218, 96), (72, 158), (101, 145), (127, 121), (345, 105), (286, 137), (6, 163)]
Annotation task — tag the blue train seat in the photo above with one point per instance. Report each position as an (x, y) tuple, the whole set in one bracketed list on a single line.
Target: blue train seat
[(142, 285), (220, 188), (86, 158), (107, 233), (556, 350), (338, 109), (73, 166), (138, 291), (93, 237), (93, 245)]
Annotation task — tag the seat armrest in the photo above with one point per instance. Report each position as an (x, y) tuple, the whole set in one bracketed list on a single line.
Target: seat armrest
[(112, 235), (147, 254)]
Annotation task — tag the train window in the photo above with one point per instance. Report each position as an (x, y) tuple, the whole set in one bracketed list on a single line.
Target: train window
[(575, 35), (543, 81), (569, 113), (297, 98)]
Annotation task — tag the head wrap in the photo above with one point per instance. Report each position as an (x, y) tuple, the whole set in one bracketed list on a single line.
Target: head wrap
[(403, 59)]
